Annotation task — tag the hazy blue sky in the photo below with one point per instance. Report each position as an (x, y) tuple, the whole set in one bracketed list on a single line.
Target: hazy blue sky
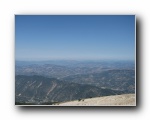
[(74, 37)]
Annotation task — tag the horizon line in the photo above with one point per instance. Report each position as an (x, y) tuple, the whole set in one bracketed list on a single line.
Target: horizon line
[(77, 60)]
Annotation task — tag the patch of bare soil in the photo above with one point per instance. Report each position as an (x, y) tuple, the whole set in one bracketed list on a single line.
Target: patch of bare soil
[(115, 100)]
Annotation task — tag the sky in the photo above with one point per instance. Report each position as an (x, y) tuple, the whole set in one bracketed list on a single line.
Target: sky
[(74, 37)]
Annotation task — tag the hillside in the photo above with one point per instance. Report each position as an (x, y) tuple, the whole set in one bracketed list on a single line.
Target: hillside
[(40, 90), (48, 83), (114, 79), (116, 100)]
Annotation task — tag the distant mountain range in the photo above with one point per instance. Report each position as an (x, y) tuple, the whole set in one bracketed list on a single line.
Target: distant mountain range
[(64, 68), (42, 90), (112, 79), (71, 80)]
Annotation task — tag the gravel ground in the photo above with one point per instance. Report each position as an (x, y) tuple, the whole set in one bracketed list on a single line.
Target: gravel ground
[(116, 100)]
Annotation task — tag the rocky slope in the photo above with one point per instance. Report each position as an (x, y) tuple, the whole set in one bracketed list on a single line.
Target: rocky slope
[(40, 90)]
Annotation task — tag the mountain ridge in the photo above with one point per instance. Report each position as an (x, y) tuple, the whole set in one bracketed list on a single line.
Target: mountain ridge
[(39, 89)]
